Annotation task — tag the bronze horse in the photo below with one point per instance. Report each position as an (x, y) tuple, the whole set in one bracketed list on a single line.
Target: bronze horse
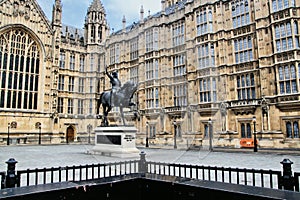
[(122, 99)]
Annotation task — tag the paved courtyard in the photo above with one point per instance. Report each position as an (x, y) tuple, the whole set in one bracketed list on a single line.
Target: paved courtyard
[(69, 155)]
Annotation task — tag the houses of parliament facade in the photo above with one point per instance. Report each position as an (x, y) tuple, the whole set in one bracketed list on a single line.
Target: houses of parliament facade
[(229, 69)]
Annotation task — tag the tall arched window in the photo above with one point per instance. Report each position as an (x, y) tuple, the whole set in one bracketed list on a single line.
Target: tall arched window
[(296, 130), (243, 132), (19, 70), (296, 34), (288, 129), (248, 130), (205, 130)]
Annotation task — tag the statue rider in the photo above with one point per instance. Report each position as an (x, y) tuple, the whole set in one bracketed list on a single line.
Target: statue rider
[(115, 85)]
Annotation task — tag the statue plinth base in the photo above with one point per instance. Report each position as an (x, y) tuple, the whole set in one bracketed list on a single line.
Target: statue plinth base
[(116, 141)]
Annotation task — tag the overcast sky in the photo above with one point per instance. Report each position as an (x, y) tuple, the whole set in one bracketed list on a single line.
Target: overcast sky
[(74, 11)]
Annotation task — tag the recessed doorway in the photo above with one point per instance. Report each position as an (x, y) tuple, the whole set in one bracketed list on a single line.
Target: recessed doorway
[(70, 134)]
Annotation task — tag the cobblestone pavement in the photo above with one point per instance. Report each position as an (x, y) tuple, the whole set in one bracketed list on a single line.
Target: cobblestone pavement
[(69, 155)]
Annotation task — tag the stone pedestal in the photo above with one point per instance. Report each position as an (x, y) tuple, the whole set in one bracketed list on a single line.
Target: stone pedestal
[(116, 141)]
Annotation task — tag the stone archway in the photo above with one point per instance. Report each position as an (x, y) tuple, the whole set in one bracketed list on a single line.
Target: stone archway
[(70, 134)]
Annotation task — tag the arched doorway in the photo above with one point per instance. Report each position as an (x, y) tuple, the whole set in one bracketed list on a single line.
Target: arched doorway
[(70, 134)]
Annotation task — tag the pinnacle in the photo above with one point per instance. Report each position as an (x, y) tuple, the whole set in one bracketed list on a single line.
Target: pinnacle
[(96, 6)]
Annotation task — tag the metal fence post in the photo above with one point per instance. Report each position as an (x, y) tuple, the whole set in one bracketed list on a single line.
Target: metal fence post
[(11, 177), (287, 178), (143, 164)]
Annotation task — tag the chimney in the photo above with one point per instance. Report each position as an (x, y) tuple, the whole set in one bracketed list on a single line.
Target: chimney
[(163, 6), (124, 23), (142, 15)]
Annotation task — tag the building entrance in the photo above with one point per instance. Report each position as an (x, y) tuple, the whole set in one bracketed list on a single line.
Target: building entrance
[(70, 134)]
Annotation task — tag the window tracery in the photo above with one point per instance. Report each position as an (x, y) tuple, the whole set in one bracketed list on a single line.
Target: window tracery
[(19, 70)]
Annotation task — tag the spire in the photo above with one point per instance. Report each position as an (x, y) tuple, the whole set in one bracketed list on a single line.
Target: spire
[(96, 6), (58, 2), (95, 23), (95, 12), (57, 13)]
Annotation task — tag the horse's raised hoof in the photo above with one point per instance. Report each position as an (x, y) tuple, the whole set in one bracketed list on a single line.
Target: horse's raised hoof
[(99, 117)]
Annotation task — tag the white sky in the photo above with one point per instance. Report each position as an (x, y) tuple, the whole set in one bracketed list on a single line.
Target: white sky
[(74, 11)]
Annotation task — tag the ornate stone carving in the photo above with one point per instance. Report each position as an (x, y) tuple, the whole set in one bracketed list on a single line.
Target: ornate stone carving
[(223, 108), (264, 105), (22, 8), (223, 111)]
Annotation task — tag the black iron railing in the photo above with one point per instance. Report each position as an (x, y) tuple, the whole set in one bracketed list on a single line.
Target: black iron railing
[(75, 173), (254, 177)]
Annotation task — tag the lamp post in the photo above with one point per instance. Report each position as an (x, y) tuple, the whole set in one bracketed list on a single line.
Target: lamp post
[(254, 133), (175, 134), (8, 128), (210, 134), (147, 139), (40, 133), (89, 127)]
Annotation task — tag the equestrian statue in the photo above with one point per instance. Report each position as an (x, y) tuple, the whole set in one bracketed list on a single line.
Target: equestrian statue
[(119, 96)]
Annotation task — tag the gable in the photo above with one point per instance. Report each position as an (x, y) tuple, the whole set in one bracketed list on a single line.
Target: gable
[(24, 12)]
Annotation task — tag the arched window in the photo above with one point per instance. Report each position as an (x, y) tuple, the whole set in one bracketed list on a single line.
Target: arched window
[(292, 3), (19, 70), (296, 34), (243, 132), (296, 27), (210, 19), (288, 129), (248, 130), (178, 131), (296, 130), (237, 9), (286, 3), (204, 17), (294, 82), (288, 29), (205, 130), (274, 5)]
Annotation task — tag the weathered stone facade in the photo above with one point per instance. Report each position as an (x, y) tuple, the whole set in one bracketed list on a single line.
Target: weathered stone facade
[(196, 62)]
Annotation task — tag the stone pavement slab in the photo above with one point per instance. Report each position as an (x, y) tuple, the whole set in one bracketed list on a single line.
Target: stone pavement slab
[(69, 155)]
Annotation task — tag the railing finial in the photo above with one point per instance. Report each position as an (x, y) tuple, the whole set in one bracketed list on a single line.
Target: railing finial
[(142, 164), (288, 182), (11, 178)]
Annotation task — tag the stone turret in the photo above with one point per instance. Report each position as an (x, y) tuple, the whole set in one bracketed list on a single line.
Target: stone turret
[(57, 28), (57, 14), (96, 26)]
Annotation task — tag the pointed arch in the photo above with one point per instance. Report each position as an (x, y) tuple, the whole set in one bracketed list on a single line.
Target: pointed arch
[(288, 129), (28, 31), (70, 134), (22, 52)]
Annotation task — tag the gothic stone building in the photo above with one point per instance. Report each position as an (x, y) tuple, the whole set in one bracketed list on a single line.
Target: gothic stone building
[(225, 68)]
